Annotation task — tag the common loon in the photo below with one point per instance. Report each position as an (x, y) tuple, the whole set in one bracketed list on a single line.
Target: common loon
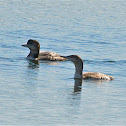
[(35, 53), (87, 75)]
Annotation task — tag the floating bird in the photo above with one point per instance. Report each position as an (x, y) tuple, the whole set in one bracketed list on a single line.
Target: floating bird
[(35, 53), (78, 62)]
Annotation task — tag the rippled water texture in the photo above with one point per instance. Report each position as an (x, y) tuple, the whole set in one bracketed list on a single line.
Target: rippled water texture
[(46, 93)]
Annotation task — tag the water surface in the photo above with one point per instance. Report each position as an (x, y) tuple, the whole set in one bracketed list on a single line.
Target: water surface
[(46, 93)]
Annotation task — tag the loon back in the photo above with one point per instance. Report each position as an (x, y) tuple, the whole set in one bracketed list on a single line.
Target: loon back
[(96, 76)]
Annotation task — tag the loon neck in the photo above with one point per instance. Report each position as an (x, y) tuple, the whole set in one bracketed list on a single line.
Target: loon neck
[(33, 54), (78, 70)]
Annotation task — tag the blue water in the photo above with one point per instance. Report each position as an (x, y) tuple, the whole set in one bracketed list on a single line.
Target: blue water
[(45, 93)]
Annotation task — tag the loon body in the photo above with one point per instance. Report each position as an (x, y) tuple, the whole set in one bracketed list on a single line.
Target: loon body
[(35, 53)]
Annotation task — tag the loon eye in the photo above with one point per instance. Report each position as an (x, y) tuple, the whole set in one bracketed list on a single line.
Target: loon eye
[(30, 42), (72, 56)]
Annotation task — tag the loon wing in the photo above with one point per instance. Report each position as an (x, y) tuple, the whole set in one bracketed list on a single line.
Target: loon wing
[(52, 56)]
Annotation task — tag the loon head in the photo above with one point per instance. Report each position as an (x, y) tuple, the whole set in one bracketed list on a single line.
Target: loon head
[(78, 62), (33, 45), (74, 58)]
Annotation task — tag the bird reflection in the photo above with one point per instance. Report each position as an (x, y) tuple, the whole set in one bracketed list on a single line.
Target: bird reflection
[(53, 63), (77, 85), (33, 64)]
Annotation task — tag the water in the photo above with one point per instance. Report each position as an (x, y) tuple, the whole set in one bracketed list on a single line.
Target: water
[(44, 93)]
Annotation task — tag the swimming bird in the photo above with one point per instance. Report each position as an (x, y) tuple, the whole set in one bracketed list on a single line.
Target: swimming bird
[(78, 62), (35, 53)]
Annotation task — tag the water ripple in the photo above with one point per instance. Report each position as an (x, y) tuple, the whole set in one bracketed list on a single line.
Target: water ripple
[(105, 61)]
